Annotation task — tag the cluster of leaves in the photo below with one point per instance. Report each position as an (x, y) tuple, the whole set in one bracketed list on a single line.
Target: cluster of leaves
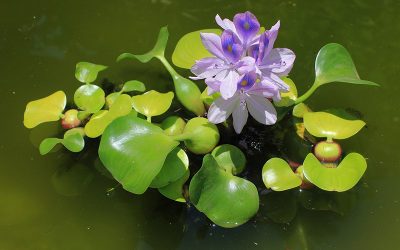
[(140, 154)]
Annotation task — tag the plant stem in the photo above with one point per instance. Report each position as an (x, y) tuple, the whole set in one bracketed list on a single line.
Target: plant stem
[(149, 119), (307, 94), (168, 66), (181, 137)]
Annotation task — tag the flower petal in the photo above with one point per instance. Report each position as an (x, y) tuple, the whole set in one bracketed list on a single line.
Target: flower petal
[(267, 40), (240, 115), (207, 67), (226, 24), (231, 46), (212, 42), (280, 61), (261, 109), (265, 89), (269, 77), (221, 109), (245, 65), (229, 84), (247, 26), (213, 85)]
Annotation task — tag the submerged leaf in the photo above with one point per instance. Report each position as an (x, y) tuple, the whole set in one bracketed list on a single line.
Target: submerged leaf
[(152, 103), (46, 109), (278, 175), (323, 124), (190, 48), (134, 151), (86, 72), (95, 127), (227, 200), (340, 179), (90, 98)]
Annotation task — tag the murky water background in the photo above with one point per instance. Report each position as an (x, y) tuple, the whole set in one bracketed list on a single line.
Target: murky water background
[(45, 206)]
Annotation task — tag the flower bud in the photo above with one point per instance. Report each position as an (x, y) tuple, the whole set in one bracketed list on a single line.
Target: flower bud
[(201, 135), (327, 151), (70, 119), (173, 125)]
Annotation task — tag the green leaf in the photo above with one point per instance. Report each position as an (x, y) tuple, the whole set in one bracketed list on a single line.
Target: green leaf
[(46, 109), (288, 98), (209, 99), (99, 121), (323, 124), (334, 64), (133, 85), (227, 200), (340, 179), (190, 48), (72, 181), (230, 158), (175, 166), (173, 125), (174, 191), (134, 151), (158, 49), (152, 103), (278, 175), (300, 109), (90, 98), (86, 72), (73, 141)]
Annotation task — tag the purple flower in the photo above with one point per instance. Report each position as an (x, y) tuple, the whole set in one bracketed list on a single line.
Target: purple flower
[(251, 97)]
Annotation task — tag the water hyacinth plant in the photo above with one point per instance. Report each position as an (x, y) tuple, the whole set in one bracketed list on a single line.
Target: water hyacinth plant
[(244, 74)]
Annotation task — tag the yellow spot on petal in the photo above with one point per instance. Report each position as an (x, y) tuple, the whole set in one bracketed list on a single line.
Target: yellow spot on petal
[(230, 48), (258, 80), (243, 83), (246, 25)]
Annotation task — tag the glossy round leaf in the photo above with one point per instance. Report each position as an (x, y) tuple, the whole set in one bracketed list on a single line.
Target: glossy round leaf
[(174, 190), (278, 176), (230, 157), (90, 98), (46, 109), (73, 141), (134, 151), (133, 85), (86, 72), (288, 98), (173, 125), (110, 98), (190, 48), (340, 179), (152, 103), (95, 127), (334, 64), (323, 124), (175, 166), (227, 200)]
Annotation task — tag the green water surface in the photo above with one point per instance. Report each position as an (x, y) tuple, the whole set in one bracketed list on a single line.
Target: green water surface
[(60, 201)]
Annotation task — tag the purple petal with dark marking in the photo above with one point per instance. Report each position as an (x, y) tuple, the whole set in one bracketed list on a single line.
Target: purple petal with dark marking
[(247, 26), (212, 42), (247, 81), (267, 40), (231, 46)]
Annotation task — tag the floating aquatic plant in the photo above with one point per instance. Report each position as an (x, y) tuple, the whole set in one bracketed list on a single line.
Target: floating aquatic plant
[(244, 75)]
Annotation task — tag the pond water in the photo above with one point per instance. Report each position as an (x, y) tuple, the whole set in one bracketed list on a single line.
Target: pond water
[(60, 201)]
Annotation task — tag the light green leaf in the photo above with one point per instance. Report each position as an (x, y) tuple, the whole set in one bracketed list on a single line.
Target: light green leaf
[(99, 121), (190, 48), (288, 98), (127, 150), (90, 98), (174, 191), (175, 166), (300, 109), (278, 175), (323, 124), (227, 200), (133, 85), (152, 103), (73, 141), (46, 109), (334, 64), (86, 72), (230, 158), (340, 179), (209, 99)]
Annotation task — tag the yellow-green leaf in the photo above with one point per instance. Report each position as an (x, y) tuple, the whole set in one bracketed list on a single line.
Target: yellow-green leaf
[(152, 103), (288, 98), (46, 109), (323, 124)]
